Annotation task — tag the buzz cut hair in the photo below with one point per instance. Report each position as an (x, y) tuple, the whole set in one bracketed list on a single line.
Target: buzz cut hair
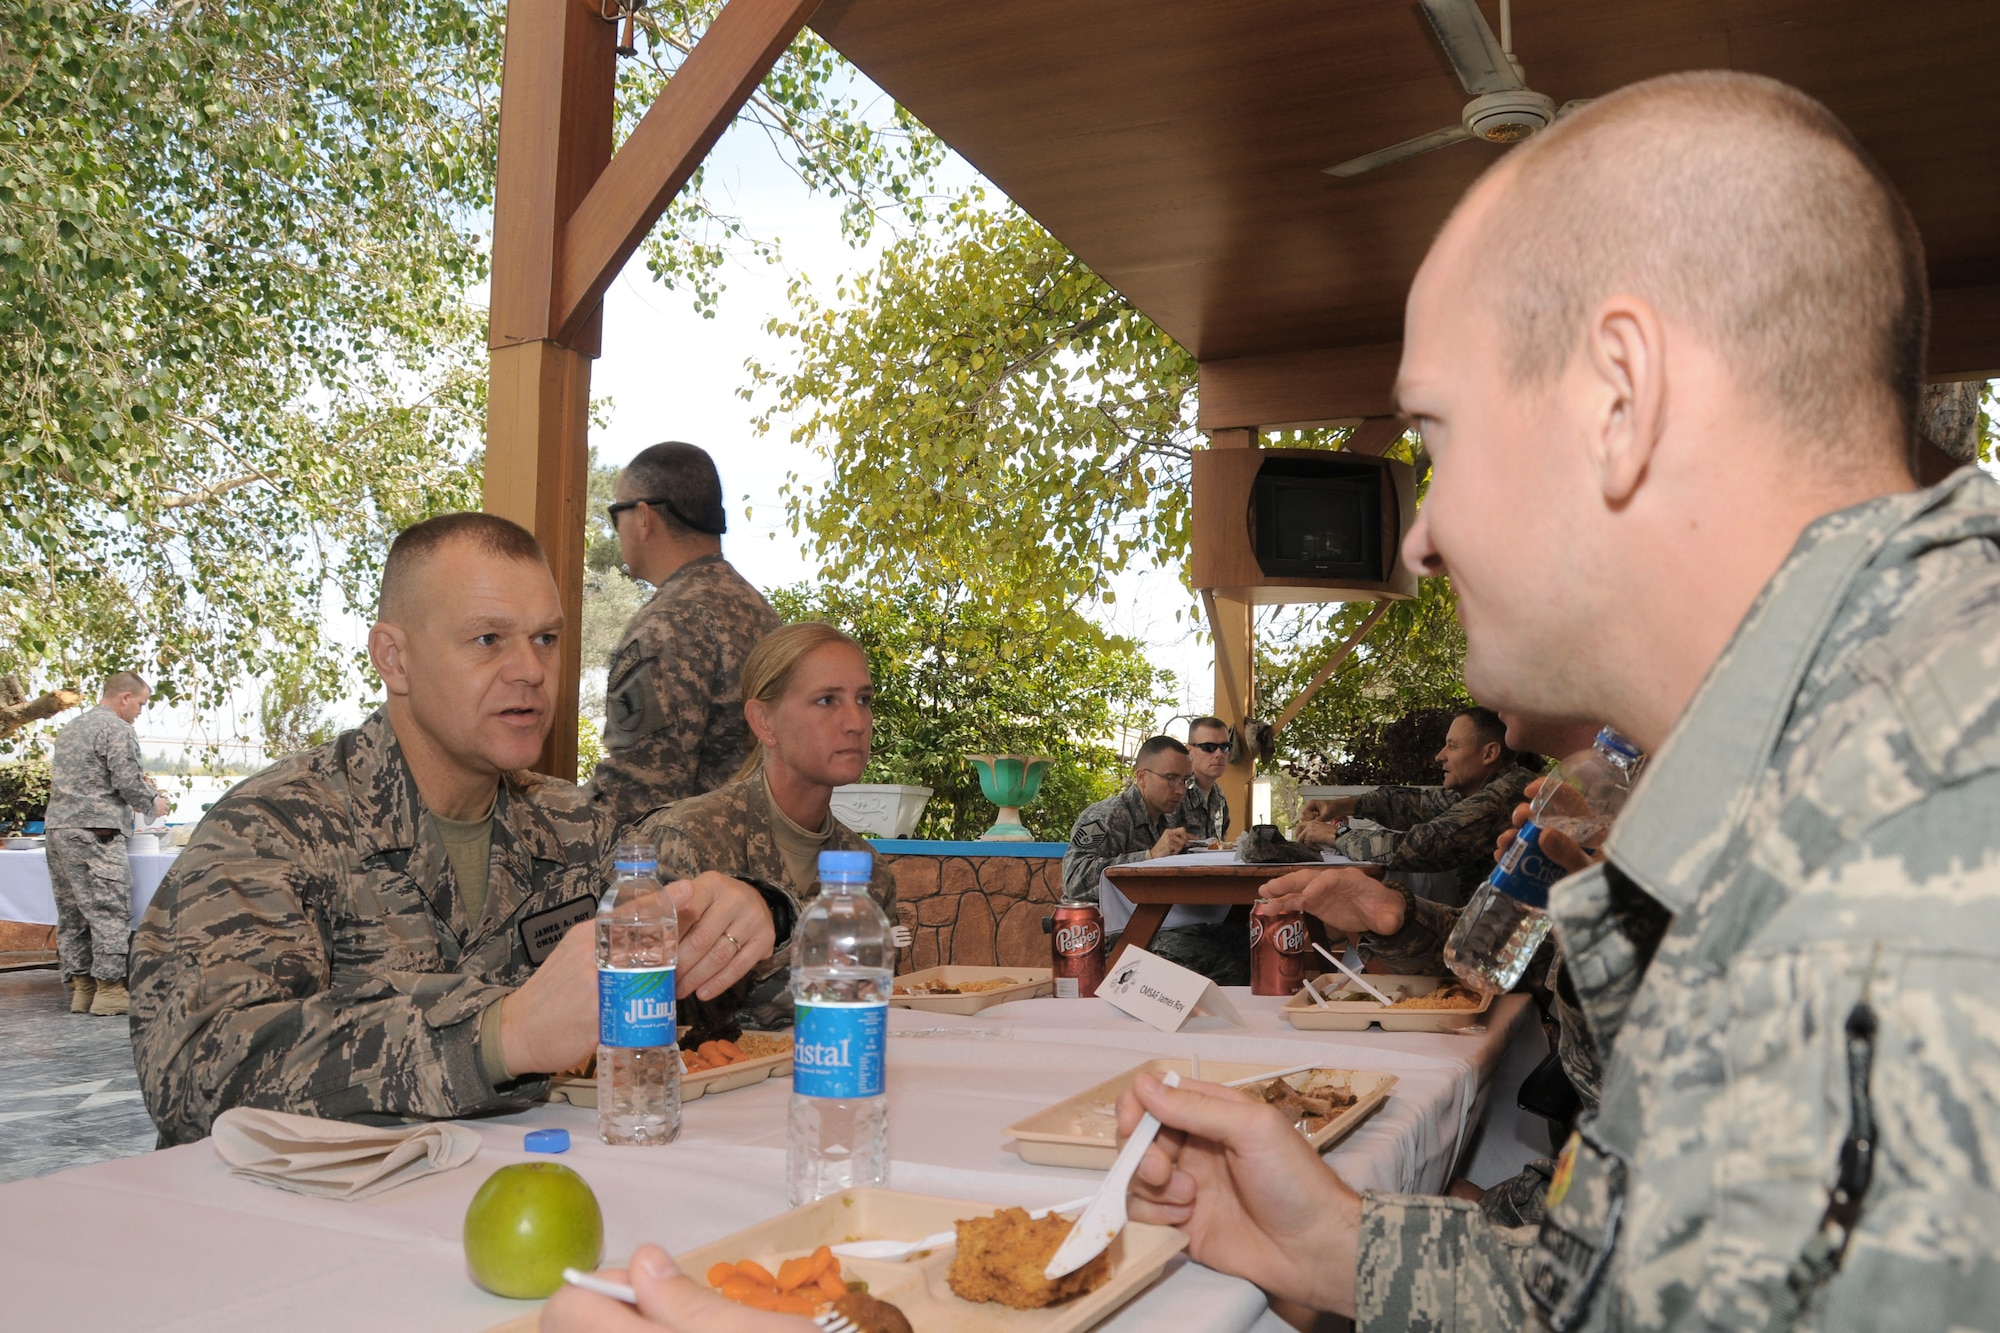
[(1488, 726), (1158, 745), (416, 545), (1739, 207), (1211, 723), (124, 682), (681, 480)]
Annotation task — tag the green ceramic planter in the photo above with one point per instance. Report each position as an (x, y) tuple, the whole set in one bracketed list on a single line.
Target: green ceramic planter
[(1010, 781)]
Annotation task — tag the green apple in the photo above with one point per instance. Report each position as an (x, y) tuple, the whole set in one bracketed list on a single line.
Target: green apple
[(528, 1222)]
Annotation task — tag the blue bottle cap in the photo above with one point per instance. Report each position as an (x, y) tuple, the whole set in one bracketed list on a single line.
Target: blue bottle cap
[(1616, 743), (845, 865), (547, 1140)]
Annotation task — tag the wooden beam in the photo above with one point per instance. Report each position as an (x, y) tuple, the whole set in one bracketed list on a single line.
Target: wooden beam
[(1233, 630), (698, 104), (1290, 390), (1965, 333), (555, 137), (1297, 706), (537, 473), (1374, 435)]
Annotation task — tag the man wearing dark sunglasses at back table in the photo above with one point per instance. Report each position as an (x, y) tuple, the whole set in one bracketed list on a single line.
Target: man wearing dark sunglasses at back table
[(1205, 810), (673, 701)]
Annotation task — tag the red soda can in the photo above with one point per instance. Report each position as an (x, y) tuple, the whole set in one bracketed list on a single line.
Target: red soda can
[(1278, 947), (1077, 942)]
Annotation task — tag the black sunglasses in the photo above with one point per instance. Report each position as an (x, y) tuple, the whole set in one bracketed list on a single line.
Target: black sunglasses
[(613, 510), (1209, 747)]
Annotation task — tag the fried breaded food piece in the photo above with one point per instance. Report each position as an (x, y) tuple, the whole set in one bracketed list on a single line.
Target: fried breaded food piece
[(1001, 1258), (871, 1315)]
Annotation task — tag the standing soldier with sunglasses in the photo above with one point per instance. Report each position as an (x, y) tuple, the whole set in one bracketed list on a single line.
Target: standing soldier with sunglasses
[(673, 705), (1205, 810)]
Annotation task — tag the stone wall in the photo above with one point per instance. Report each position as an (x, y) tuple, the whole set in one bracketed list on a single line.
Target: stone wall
[(976, 911)]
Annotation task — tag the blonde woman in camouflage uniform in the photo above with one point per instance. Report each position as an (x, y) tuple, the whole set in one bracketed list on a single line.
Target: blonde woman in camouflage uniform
[(809, 701)]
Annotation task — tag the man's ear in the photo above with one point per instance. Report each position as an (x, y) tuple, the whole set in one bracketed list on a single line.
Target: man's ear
[(1489, 753), (1625, 366), (388, 649)]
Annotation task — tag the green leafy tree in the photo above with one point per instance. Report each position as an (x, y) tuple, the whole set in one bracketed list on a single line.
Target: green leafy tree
[(236, 243), (953, 678), (993, 414)]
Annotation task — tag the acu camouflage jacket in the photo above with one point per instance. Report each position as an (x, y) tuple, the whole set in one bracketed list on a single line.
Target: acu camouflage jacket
[(1818, 833), (1434, 829), (673, 695), (309, 951), (94, 776)]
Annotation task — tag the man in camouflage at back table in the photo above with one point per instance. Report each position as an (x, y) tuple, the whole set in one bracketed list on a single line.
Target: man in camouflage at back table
[(1138, 824), (398, 924), (95, 785), (1679, 338), (673, 706), (1450, 827)]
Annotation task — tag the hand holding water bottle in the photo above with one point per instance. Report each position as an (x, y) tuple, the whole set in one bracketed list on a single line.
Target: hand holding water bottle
[(1557, 845)]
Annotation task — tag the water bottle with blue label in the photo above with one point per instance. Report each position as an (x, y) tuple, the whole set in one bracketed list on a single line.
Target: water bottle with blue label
[(638, 1062), (841, 974), (1507, 920)]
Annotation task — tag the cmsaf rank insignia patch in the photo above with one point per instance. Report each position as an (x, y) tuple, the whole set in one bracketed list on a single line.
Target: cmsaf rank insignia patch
[(542, 932)]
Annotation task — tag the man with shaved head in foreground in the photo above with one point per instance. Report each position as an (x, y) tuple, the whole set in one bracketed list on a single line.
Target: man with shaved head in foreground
[(397, 925), (1680, 338)]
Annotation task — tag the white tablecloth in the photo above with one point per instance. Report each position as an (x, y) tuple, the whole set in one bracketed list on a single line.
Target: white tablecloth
[(25, 894), (172, 1240)]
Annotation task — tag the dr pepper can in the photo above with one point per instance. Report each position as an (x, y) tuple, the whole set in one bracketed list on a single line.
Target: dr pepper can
[(1277, 952), (1077, 940)]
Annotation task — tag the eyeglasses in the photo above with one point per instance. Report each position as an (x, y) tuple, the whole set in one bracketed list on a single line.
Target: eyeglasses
[(1209, 747), (613, 510), (1170, 777)]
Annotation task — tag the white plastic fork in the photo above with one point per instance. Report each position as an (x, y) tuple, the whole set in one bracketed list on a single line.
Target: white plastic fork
[(1105, 1218), (828, 1321), (891, 1251), (1359, 980)]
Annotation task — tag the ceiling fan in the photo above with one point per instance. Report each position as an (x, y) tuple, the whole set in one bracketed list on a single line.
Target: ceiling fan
[(1503, 108)]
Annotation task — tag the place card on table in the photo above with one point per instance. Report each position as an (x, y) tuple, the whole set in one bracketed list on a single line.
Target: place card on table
[(1162, 993)]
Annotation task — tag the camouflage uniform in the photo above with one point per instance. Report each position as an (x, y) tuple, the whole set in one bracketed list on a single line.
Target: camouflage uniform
[(1205, 815), (729, 830), (94, 786), (310, 951), (1817, 835), (1431, 828), (1121, 829), (673, 696)]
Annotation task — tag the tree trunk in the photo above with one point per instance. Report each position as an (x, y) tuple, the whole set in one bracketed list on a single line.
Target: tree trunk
[(15, 716)]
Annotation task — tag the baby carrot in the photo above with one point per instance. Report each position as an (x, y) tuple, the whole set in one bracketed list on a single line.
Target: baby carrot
[(794, 1305), (829, 1284), (823, 1260), (796, 1273), (720, 1273), (744, 1291), (756, 1272)]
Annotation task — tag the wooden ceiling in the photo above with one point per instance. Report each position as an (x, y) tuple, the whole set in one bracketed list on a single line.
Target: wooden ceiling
[(1177, 147)]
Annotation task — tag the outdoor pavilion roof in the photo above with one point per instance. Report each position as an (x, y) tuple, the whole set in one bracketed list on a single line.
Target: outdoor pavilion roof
[(1177, 147)]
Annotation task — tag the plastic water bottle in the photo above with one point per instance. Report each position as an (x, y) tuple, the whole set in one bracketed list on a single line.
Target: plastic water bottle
[(638, 1062), (1507, 920), (841, 975)]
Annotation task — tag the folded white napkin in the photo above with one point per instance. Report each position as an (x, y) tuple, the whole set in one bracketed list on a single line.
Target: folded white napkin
[(333, 1159)]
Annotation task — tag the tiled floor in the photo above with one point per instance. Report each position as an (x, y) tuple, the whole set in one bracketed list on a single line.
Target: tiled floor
[(68, 1092)]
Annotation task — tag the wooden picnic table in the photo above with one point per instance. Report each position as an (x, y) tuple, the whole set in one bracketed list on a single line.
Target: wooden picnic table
[(1156, 886)]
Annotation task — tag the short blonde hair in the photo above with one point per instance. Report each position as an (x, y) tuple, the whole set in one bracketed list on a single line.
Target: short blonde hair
[(768, 670), (1739, 206)]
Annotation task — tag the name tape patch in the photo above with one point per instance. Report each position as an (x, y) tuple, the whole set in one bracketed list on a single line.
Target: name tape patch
[(542, 932)]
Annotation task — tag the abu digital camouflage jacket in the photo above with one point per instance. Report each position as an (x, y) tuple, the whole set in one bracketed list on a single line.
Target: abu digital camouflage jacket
[(673, 694), (94, 776), (310, 952), (1205, 814), (1434, 829), (1115, 831), (1793, 946)]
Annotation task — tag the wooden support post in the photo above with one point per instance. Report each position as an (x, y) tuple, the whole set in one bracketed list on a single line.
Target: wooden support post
[(1231, 626), (555, 137)]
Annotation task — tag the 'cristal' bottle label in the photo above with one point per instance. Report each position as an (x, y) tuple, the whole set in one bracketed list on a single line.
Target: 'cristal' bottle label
[(838, 1048), (635, 1006), (1524, 874)]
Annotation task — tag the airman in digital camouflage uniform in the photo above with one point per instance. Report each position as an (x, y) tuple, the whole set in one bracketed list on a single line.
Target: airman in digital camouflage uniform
[(397, 924), (673, 710), (95, 785), (810, 704), (1205, 810), (1137, 824), (1787, 957), (1427, 829)]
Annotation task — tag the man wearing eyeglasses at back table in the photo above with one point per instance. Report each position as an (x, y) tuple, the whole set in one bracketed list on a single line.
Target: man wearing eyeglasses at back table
[(673, 702), (1205, 810), (1140, 823)]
